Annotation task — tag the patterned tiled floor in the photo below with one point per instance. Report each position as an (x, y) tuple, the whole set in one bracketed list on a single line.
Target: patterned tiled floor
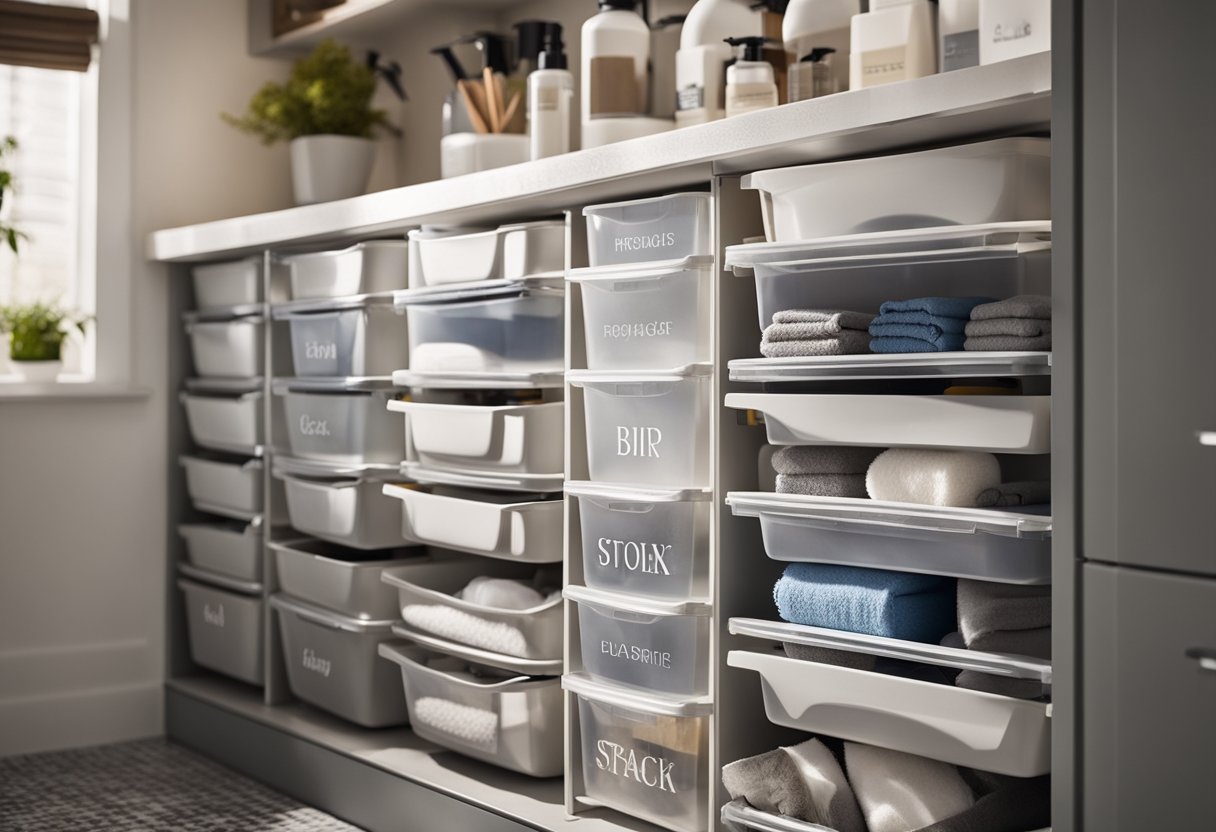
[(145, 786)]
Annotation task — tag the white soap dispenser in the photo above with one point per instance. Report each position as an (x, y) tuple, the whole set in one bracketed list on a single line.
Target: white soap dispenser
[(895, 41), (750, 81), (550, 97)]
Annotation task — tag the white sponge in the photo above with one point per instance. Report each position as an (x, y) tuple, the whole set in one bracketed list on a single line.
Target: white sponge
[(931, 477)]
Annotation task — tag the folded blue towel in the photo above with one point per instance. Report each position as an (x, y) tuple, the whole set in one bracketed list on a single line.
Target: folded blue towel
[(877, 602), (942, 307), (946, 343), (927, 332), (955, 326)]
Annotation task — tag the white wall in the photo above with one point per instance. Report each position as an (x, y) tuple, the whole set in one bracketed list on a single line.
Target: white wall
[(82, 483)]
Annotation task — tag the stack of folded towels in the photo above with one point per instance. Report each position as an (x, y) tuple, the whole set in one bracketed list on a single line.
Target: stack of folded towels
[(1003, 618), (802, 332), (1018, 323), (922, 324), (822, 470), (886, 791)]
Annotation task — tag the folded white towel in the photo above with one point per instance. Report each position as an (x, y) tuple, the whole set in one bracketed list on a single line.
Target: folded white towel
[(462, 722), (465, 628), (931, 477), (830, 792), (901, 792), (501, 593)]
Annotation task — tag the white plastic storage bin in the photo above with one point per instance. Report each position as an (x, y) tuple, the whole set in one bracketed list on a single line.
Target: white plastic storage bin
[(350, 427), (648, 428), (869, 367), (225, 423), (340, 579), (645, 755), (1013, 28), (984, 544), (660, 646), (365, 268), (511, 721), (428, 597), (646, 230), (232, 549), (359, 337), (225, 628), (647, 317), (644, 541), (505, 526), (235, 283), (496, 328), (350, 511), (511, 252), (861, 272), (998, 424), (1001, 180), (232, 488), (475, 655), (333, 662), (230, 348), (965, 727)]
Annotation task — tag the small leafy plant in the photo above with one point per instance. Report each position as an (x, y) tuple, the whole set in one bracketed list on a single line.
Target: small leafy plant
[(328, 93), (37, 331), (9, 235)]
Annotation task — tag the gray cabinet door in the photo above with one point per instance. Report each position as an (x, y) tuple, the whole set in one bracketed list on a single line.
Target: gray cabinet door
[(1149, 284), (1149, 682)]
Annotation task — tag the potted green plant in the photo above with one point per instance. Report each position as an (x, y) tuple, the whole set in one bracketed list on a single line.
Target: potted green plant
[(36, 333), (8, 234), (324, 110)]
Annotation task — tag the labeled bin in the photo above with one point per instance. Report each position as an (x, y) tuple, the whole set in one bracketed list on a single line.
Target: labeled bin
[(340, 579), (226, 348), (643, 754), (333, 662), (514, 722), (229, 548), (347, 510), (365, 268), (359, 337), (430, 602), (660, 228), (1002, 180), (225, 423), (660, 646), (510, 252), (347, 427), (235, 283), (230, 487), (647, 317), (644, 541), (224, 625), (647, 428)]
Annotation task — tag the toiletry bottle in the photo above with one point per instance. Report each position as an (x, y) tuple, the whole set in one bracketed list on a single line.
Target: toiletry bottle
[(812, 77), (808, 24), (749, 81), (455, 114), (703, 57), (664, 44), (958, 21), (772, 14), (550, 98), (895, 41), (615, 63), (529, 35)]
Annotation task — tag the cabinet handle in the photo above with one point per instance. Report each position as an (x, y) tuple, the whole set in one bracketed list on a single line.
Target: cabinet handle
[(1206, 437), (1206, 657)]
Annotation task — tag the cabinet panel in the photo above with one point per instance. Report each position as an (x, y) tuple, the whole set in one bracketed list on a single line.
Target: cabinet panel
[(1150, 708)]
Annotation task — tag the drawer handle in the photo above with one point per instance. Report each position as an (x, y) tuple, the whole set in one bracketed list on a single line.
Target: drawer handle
[(1206, 657), (1206, 437)]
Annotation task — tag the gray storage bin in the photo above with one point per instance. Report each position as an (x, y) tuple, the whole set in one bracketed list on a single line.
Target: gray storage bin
[(225, 627), (365, 268), (343, 580), (353, 337), (232, 488), (511, 721), (348, 510), (348, 427), (228, 347), (646, 230), (653, 645), (231, 548), (333, 663), (644, 541), (236, 283), (224, 423)]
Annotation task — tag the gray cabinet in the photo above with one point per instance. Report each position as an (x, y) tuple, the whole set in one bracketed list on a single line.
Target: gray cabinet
[(1149, 682)]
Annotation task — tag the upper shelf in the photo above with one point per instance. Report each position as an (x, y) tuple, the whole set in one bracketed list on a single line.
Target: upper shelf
[(1004, 98)]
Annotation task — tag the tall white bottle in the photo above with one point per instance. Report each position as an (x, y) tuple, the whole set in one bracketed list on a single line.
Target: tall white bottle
[(821, 24), (550, 97), (895, 41), (615, 60), (703, 56)]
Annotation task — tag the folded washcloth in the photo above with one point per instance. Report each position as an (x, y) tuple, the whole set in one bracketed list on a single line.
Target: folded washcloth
[(888, 345), (827, 655), (1021, 804), (1020, 306), (1003, 685), (1035, 643), (938, 307), (822, 485), (501, 593), (943, 323), (848, 342), (901, 792), (988, 607), (1015, 494), (935, 336), (1004, 343), (822, 322), (822, 459), (475, 726), (1019, 327), (877, 602), (937, 478), (803, 781), (460, 626), (803, 332)]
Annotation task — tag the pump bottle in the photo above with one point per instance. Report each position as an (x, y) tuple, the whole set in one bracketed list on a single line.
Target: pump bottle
[(550, 97), (750, 82)]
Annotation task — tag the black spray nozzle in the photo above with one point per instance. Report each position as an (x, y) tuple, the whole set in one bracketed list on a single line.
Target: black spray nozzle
[(493, 49), (449, 59), (669, 20), (552, 53), (774, 6), (620, 5), (388, 71), (818, 54), (753, 46), (529, 39)]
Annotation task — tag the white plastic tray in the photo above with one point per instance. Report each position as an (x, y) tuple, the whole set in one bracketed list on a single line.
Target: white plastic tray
[(510, 252), (740, 816), (229, 488), (225, 423), (483, 480), (235, 283), (476, 379), (351, 511), (896, 365), (364, 268), (227, 347), (474, 655)]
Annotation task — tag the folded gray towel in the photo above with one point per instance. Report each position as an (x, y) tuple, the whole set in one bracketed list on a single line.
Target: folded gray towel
[(823, 459), (848, 342), (826, 655), (822, 485), (1020, 327), (1035, 643), (987, 683), (1007, 343), (838, 319), (803, 781), (1020, 306), (1021, 805), (954, 639), (1015, 494), (989, 607)]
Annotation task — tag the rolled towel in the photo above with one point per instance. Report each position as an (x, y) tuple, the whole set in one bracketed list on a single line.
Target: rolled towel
[(1019, 327), (938, 307), (1019, 306), (1035, 643), (822, 485), (827, 655), (1015, 494), (1005, 343), (886, 345), (848, 342), (878, 602), (1003, 685), (989, 607), (1018, 806), (803, 781), (823, 459), (901, 792), (932, 477), (820, 323)]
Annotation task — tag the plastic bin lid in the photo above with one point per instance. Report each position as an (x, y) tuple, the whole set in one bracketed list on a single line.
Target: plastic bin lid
[(475, 655), (289, 466), (224, 385), (580, 378), (637, 700), (896, 365), (543, 483), (360, 558), (996, 664), (327, 618), (338, 252), (592, 210), (335, 384), (741, 816), (215, 579), (476, 379), (478, 290), (635, 604), (245, 312), (641, 271), (637, 493), (912, 516), (315, 306)]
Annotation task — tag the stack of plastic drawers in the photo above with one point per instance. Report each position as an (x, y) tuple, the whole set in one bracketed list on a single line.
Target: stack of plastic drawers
[(642, 655), (484, 428), (994, 239), (337, 447), (222, 577)]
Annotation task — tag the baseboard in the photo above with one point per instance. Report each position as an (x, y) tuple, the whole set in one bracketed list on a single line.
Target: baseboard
[(89, 717)]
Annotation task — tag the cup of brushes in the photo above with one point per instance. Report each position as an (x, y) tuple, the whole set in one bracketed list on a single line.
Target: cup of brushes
[(497, 116)]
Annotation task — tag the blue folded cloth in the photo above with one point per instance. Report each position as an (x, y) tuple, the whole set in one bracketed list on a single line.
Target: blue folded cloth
[(954, 326), (877, 602), (922, 325), (937, 307), (946, 343), (921, 332)]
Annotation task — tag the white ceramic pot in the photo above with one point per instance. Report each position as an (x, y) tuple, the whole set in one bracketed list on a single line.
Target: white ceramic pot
[(325, 168), (37, 372)]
